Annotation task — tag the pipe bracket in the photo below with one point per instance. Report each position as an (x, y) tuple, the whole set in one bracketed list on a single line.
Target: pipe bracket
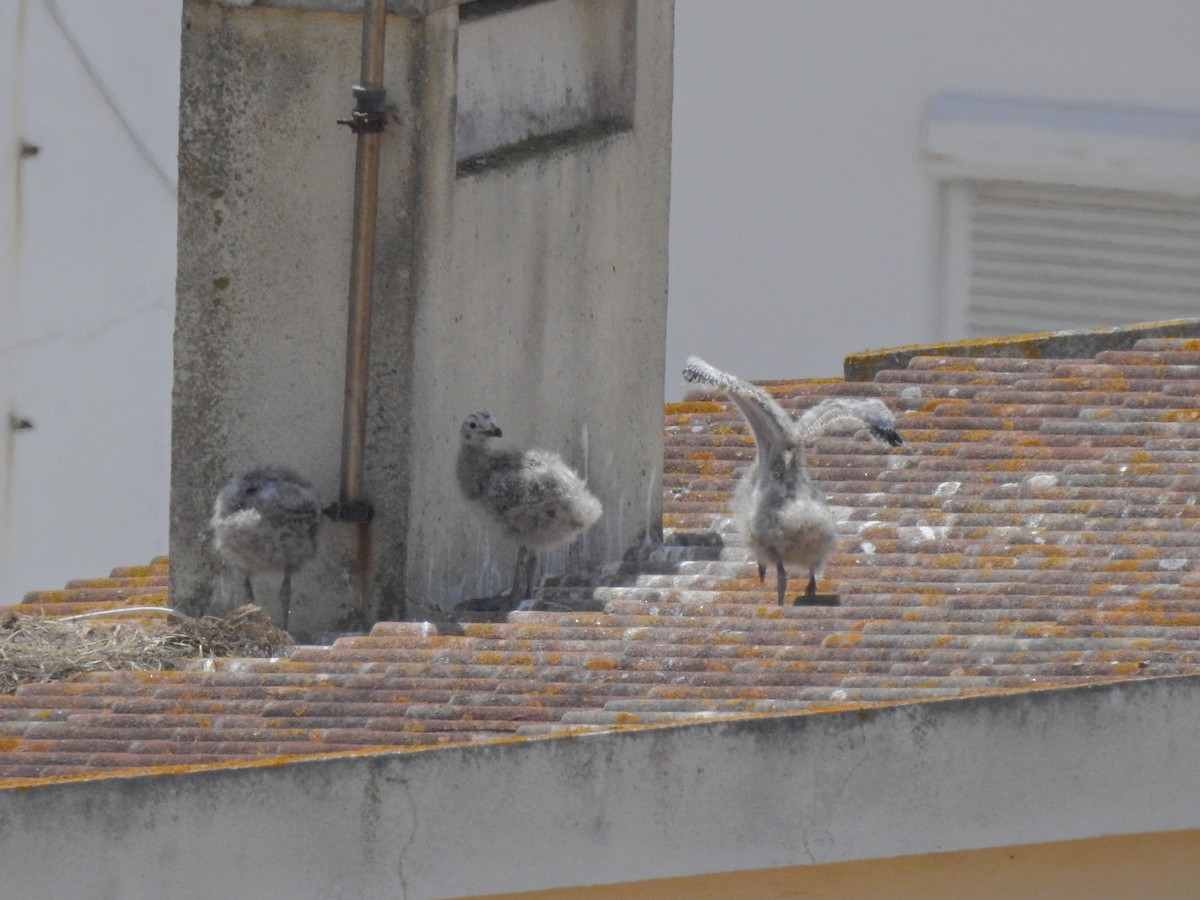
[(352, 512), (370, 110)]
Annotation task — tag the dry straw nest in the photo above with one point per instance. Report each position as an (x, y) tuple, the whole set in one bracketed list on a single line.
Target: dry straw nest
[(41, 648)]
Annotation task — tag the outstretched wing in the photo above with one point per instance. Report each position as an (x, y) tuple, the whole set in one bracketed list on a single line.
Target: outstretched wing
[(839, 412), (772, 426)]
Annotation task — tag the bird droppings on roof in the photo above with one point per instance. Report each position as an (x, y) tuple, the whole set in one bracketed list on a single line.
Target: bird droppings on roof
[(1038, 529)]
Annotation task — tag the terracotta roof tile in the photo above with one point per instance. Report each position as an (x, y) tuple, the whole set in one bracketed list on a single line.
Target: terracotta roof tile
[(125, 586), (1037, 529)]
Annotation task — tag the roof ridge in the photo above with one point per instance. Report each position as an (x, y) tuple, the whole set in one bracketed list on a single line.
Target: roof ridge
[(1083, 344)]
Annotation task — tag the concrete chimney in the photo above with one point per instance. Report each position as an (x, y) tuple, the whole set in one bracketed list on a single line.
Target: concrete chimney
[(521, 268)]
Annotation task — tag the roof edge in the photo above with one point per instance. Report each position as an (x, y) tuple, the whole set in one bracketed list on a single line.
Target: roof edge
[(1085, 344), (753, 793)]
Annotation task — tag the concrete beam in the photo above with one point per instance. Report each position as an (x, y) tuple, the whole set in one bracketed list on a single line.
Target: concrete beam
[(411, 9)]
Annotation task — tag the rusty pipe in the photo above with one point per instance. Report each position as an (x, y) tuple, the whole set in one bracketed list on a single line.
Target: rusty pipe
[(367, 122), (374, 24)]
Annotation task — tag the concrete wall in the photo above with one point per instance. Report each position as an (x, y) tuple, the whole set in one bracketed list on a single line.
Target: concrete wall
[(531, 282), (740, 795), (545, 303), (266, 181)]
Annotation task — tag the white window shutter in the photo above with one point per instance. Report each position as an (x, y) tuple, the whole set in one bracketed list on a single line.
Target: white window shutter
[(1063, 216), (1049, 258)]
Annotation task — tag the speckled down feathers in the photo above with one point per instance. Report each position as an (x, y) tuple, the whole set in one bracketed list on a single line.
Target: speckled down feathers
[(785, 520), (266, 521), (535, 498)]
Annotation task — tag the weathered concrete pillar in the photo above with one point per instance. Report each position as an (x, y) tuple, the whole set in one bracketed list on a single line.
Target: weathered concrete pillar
[(521, 268)]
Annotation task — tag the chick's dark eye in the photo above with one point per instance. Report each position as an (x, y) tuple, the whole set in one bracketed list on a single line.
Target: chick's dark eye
[(472, 425)]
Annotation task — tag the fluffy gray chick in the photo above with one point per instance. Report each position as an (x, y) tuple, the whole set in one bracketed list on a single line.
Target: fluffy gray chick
[(266, 521), (782, 513), (534, 497)]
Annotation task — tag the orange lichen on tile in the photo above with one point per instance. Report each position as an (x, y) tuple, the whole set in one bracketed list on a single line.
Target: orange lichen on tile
[(841, 640), (691, 407), (945, 405)]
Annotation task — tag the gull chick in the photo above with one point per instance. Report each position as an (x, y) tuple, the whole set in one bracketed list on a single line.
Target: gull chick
[(782, 513), (266, 521), (535, 498)]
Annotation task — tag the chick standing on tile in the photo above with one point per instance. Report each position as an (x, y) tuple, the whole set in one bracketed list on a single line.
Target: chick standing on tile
[(782, 513), (534, 497), (266, 521)]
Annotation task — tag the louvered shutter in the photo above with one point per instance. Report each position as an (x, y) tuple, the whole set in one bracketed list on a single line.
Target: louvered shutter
[(1045, 257)]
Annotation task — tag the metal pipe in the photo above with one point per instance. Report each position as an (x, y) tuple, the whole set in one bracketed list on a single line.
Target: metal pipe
[(369, 93), (367, 122), (374, 23), (358, 331)]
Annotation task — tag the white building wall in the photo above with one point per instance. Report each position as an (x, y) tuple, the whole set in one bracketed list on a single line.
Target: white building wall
[(803, 223), (87, 232)]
